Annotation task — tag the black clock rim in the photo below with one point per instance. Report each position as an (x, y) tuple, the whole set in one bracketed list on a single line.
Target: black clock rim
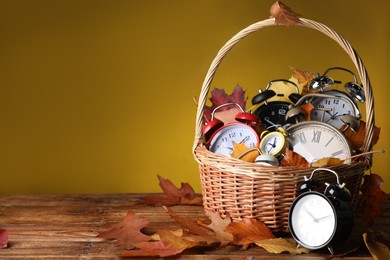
[(263, 107), (290, 216)]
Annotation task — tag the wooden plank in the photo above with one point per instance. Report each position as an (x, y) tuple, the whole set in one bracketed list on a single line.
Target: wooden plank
[(66, 226)]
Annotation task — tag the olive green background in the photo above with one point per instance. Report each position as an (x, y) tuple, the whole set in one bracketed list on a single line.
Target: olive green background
[(97, 96)]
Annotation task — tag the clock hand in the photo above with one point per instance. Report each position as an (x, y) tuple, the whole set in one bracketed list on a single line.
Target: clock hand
[(244, 140), (325, 217), (315, 220), (269, 121)]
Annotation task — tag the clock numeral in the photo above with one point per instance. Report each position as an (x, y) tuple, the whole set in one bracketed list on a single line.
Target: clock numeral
[(316, 137), (337, 153), (224, 139), (330, 140), (282, 112), (302, 138), (336, 101), (231, 135)]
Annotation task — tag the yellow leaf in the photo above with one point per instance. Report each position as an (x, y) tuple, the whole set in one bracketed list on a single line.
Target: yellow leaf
[(279, 245), (329, 161), (240, 148), (377, 249)]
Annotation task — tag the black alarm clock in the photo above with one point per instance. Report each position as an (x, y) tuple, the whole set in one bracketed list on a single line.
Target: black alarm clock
[(272, 113), (321, 219)]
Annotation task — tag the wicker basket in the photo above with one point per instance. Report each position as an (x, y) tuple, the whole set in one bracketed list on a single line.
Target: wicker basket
[(244, 189)]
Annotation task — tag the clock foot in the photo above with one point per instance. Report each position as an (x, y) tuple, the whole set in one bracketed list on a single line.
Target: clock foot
[(330, 248)]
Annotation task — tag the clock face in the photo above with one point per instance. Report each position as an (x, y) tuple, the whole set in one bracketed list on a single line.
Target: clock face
[(273, 143), (222, 141), (330, 110), (315, 140), (312, 220), (272, 114)]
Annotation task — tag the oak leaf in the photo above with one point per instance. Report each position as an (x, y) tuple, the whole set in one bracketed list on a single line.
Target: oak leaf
[(280, 245), (292, 158), (248, 231), (372, 196), (185, 195), (240, 148), (3, 238), (304, 78), (127, 232), (283, 14), (357, 138), (218, 225), (220, 97)]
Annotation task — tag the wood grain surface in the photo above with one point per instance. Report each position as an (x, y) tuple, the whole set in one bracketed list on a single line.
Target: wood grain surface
[(66, 227)]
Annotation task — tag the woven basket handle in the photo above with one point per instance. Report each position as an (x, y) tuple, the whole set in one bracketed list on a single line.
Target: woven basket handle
[(365, 81)]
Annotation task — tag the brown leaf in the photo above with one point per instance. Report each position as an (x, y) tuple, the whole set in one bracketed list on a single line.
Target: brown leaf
[(220, 97), (169, 245), (218, 225), (188, 225), (307, 108), (3, 238), (283, 14), (241, 148), (304, 78), (377, 249), (248, 231), (329, 161), (173, 195), (372, 196), (357, 138), (291, 158), (280, 245), (127, 232)]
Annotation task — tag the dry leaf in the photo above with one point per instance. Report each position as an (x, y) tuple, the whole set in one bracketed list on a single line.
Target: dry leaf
[(304, 78), (241, 148), (280, 245), (127, 232), (228, 116), (372, 196), (220, 97), (307, 108), (248, 231), (218, 225), (291, 158), (173, 195), (3, 238), (330, 161), (169, 245), (283, 14), (357, 138), (188, 225), (377, 249)]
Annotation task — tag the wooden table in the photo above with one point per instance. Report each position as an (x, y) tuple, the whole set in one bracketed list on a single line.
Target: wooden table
[(66, 226)]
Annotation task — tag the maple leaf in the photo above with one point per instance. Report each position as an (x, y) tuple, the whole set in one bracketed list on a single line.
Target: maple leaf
[(173, 195), (329, 161), (357, 138), (127, 232), (280, 245), (283, 14), (220, 97), (3, 238), (372, 196), (169, 245), (248, 231), (291, 158), (240, 148)]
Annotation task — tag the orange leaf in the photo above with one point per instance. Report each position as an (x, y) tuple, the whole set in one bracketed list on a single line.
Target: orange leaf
[(127, 231), (304, 78), (240, 148), (283, 14), (169, 245), (248, 231), (280, 245), (291, 158), (357, 138), (330, 161), (377, 249), (188, 225), (307, 108), (372, 196), (173, 195)]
